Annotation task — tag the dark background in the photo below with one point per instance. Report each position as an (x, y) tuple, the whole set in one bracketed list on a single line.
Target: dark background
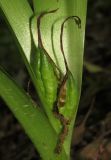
[(92, 139)]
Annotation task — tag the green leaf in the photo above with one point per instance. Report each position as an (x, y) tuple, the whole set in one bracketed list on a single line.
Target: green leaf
[(73, 40), (73, 37), (33, 120)]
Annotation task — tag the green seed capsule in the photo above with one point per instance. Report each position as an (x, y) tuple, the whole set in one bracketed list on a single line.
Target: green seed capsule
[(70, 98), (49, 79)]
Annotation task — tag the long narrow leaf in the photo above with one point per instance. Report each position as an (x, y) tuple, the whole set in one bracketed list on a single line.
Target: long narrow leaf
[(31, 117), (73, 39)]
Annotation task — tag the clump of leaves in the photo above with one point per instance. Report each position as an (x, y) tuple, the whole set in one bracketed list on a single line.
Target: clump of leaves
[(55, 76)]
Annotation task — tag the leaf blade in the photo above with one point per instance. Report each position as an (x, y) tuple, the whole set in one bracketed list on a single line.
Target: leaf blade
[(28, 115), (73, 40)]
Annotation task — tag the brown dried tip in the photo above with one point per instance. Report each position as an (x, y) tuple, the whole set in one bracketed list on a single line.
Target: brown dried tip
[(78, 22), (40, 43)]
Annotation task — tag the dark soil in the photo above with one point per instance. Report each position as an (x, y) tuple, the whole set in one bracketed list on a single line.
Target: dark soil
[(92, 139)]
